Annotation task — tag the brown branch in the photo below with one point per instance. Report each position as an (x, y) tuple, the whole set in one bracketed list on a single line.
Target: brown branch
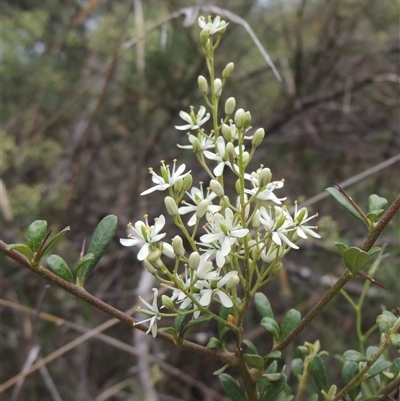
[(79, 292), (344, 278)]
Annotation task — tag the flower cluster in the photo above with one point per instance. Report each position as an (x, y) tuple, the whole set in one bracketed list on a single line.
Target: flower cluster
[(238, 242)]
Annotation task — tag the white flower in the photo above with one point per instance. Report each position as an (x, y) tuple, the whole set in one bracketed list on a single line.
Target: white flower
[(221, 156), (205, 270), (152, 311), (301, 217), (194, 121), (266, 193), (223, 232), (211, 27), (212, 290), (143, 235), (199, 143), (197, 196), (278, 226), (166, 179)]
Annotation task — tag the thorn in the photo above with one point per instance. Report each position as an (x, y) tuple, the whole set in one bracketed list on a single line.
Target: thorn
[(83, 249), (372, 280)]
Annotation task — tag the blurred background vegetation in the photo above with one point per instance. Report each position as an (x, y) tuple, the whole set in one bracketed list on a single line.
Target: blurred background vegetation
[(91, 91)]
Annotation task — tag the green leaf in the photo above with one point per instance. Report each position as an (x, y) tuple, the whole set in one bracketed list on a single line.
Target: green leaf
[(349, 371), (319, 372), (395, 368), (23, 248), (376, 207), (263, 307), (254, 360), (297, 366), (275, 389), (271, 326), (194, 323), (378, 367), (53, 242), (102, 237), (169, 330), (354, 356), (313, 397), (344, 202), (36, 233), (250, 346), (289, 322), (342, 247), (273, 355), (373, 250), (214, 343), (231, 388), (395, 340), (355, 259), (178, 323), (84, 261), (58, 266)]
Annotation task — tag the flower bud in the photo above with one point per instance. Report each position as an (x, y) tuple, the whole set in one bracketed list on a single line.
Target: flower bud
[(227, 70), (203, 85), (167, 302), (178, 185), (167, 250), (154, 255), (232, 282), (226, 132), (245, 157), (217, 87), (258, 137), (171, 206), (264, 177), (255, 221), (239, 118), (177, 246), (237, 186), (204, 37), (216, 187), (194, 260), (230, 153), (202, 208), (187, 182), (230, 105), (149, 267), (246, 119)]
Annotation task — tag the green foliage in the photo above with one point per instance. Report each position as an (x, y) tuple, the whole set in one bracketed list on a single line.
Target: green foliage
[(102, 238)]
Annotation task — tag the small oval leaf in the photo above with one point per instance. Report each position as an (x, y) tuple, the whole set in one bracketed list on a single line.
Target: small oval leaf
[(36, 233), (231, 388), (102, 237), (319, 372), (289, 322), (263, 307), (254, 360), (275, 389), (349, 371), (271, 326), (23, 248), (344, 202), (59, 267), (53, 242), (355, 259), (354, 356)]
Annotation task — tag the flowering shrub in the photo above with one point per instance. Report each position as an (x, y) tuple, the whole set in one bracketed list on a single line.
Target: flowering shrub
[(229, 248)]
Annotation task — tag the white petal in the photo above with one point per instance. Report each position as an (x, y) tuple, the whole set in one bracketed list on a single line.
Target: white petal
[(225, 300), (144, 252), (206, 298), (219, 169), (128, 241)]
